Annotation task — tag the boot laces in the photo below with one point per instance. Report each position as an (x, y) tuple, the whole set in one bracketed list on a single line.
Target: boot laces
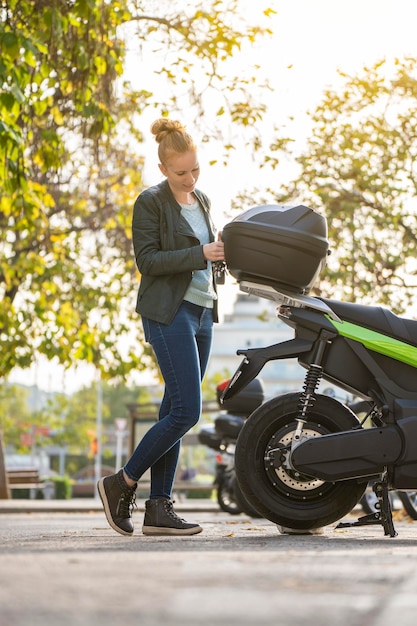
[(127, 502), (169, 509)]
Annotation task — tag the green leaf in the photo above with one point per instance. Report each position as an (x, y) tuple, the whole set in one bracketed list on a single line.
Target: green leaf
[(10, 45)]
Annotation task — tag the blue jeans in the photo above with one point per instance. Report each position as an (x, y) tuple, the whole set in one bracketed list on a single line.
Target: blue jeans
[(182, 349)]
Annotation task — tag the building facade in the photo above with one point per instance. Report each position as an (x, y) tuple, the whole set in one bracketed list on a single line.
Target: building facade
[(253, 323)]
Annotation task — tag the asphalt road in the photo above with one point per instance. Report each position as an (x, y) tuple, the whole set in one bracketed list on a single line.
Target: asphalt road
[(71, 569)]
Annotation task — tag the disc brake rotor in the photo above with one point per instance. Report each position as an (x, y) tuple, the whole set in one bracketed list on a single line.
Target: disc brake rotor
[(281, 472)]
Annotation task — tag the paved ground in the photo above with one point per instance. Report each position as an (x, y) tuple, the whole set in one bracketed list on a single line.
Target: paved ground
[(68, 568)]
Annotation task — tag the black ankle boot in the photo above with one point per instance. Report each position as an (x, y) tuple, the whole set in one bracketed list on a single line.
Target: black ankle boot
[(118, 500), (161, 519)]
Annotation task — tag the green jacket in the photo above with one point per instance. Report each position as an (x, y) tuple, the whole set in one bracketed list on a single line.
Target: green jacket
[(166, 251)]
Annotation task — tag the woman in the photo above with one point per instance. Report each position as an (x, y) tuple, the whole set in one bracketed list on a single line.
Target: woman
[(174, 244)]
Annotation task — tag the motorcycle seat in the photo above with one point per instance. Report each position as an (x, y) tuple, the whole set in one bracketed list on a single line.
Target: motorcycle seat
[(376, 318), (229, 425)]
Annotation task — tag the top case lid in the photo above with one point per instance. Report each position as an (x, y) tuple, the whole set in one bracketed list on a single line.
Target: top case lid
[(294, 218)]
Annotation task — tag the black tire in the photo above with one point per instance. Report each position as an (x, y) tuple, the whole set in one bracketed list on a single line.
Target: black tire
[(242, 503), (409, 502), (281, 495), (226, 497)]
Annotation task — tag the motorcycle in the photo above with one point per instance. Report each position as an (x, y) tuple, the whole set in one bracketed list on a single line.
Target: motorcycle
[(369, 500), (221, 436), (303, 460)]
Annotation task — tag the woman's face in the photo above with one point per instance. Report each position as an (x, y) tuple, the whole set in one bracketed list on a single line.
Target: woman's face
[(182, 172)]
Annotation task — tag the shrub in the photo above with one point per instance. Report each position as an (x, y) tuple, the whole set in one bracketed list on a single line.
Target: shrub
[(63, 487)]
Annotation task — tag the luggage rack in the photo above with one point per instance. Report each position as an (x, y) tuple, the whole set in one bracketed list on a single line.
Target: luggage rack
[(282, 297)]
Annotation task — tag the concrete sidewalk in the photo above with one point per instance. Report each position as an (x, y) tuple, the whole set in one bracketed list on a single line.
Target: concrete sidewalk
[(89, 505), (68, 568)]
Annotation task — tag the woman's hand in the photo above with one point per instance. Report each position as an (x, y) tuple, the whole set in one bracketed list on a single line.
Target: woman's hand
[(214, 251)]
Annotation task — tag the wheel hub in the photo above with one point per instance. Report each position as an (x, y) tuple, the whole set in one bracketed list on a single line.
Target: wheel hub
[(277, 459)]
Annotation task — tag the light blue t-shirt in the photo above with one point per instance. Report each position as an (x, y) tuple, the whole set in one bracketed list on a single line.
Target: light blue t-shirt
[(200, 290)]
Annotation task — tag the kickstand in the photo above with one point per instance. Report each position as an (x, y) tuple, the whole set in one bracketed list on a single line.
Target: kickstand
[(383, 516)]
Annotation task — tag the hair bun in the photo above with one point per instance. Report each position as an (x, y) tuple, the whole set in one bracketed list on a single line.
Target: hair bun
[(163, 126), (172, 138)]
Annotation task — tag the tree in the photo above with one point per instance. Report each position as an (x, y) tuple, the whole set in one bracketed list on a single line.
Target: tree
[(14, 413), (67, 421), (69, 164), (360, 169)]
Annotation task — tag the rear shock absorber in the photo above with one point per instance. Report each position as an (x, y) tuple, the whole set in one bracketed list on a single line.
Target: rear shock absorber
[(308, 395), (311, 383), (307, 400)]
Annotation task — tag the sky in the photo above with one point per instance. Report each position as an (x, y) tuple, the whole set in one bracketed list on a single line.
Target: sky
[(312, 40)]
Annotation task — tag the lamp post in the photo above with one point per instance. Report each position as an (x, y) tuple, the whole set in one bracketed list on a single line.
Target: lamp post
[(99, 425), (121, 424)]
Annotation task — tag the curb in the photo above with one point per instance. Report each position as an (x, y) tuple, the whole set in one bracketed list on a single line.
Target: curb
[(93, 505)]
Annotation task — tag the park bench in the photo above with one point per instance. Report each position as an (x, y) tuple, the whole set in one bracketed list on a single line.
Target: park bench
[(25, 479)]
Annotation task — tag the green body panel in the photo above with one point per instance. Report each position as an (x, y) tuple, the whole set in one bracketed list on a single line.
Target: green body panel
[(393, 348)]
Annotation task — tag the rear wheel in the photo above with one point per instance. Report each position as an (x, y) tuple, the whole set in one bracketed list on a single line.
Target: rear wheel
[(242, 503), (409, 502), (226, 496), (272, 487)]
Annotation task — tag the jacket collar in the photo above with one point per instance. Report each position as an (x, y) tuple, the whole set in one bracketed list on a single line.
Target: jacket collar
[(164, 186), (166, 189)]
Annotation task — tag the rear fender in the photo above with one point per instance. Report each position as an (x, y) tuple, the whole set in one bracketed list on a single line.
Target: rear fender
[(255, 359)]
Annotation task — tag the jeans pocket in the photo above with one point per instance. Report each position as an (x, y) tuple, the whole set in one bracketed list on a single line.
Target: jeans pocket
[(146, 329), (151, 329)]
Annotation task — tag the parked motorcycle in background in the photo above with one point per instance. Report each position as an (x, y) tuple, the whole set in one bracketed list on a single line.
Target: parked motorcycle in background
[(221, 436)]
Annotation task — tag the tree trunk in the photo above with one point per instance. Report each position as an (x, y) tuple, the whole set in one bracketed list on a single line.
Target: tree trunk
[(4, 486)]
